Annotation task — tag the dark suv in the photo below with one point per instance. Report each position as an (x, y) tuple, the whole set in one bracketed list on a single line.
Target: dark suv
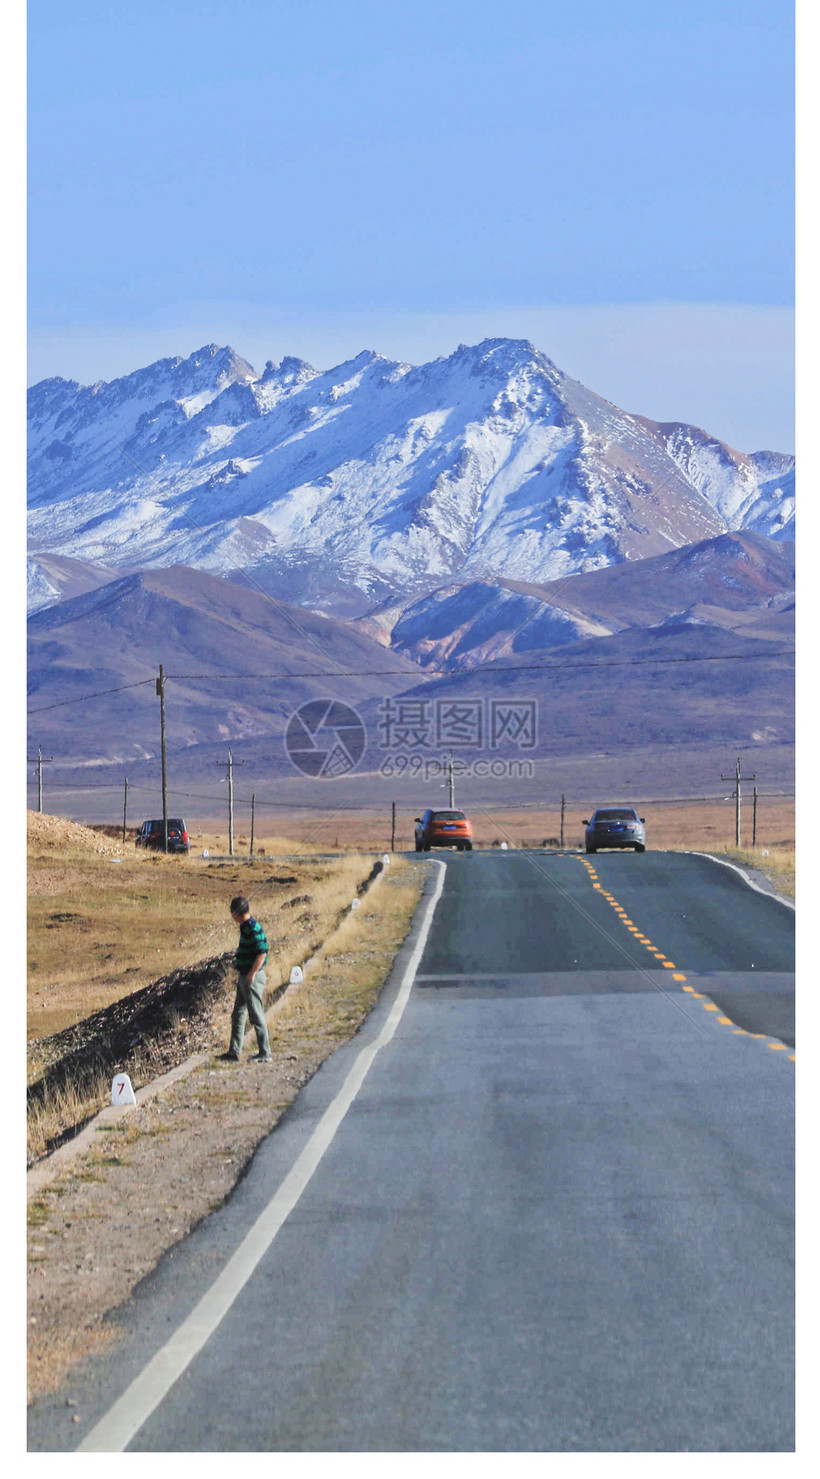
[(151, 835)]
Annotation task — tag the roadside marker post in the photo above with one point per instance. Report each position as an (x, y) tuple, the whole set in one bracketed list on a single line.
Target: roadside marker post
[(296, 975), (121, 1090)]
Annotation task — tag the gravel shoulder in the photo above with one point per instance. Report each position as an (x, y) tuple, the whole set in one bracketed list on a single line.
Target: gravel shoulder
[(104, 1222)]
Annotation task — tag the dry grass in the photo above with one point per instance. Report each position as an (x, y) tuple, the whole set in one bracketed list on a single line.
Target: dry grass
[(71, 1105), (698, 825), (100, 929), (345, 980), (155, 915), (704, 825), (775, 863), (97, 1230)]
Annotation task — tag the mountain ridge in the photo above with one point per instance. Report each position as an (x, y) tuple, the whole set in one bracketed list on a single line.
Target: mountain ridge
[(342, 488), (239, 664), (731, 581)]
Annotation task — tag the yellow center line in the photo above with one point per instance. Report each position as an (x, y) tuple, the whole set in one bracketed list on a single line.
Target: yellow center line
[(669, 965)]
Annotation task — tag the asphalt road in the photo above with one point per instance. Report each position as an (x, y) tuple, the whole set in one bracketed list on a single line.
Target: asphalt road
[(557, 1214)]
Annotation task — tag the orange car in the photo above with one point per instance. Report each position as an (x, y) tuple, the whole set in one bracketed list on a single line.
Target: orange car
[(443, 829)]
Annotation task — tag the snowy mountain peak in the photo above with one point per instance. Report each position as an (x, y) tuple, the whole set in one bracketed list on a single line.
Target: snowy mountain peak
[(291, 371), (339, 488)]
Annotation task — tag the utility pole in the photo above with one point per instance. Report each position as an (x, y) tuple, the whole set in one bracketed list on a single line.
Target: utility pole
[(253, 810), (452, 783), (40, 762), (563, 810), (230, 764), (161, 696), (737, 778), (393, 827), (124, 808)]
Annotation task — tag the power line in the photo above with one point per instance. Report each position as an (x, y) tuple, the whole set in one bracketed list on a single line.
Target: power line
[(86, 697), (544, 804), (628, 662), (618, 662)]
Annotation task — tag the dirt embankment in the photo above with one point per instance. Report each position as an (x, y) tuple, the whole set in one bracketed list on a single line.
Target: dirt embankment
[(144, 1034), (59, 834)]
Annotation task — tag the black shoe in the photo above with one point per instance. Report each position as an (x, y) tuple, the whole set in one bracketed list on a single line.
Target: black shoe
[(262, 1058), (229, 1057)]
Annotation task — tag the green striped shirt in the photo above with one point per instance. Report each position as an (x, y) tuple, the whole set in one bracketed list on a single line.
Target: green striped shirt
[(252, 942)]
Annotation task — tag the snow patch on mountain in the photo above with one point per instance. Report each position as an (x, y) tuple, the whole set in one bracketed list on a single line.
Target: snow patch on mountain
[(753, 492), (377, 476)]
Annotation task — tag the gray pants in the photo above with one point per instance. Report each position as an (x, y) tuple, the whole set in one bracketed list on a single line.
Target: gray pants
[(249, 1004)]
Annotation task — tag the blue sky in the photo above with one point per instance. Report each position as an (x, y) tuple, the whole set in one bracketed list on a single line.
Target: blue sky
[(312, 178)]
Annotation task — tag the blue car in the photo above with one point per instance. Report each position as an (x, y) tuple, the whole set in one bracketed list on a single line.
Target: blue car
[(615, 826)]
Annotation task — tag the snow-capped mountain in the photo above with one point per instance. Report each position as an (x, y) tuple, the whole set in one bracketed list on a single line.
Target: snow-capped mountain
[(347, 487)]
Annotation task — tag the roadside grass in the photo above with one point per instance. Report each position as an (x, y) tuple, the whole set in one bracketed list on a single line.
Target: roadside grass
[(216, 841), (775, 863), (69, 1107), (177, 1158), (298, 904), (343, 983), (99, 930)]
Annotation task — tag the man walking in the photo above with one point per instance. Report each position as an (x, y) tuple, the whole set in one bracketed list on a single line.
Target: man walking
[(250, 958)]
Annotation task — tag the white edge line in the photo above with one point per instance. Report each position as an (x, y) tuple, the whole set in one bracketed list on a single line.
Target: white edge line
[(778, 898), (115, 1430)]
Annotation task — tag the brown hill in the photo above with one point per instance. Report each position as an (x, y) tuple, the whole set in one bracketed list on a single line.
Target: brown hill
[(731, 581), (680, 684), (228, 653)]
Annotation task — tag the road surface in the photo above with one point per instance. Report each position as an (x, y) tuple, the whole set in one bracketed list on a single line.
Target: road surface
[(552, 1210)]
